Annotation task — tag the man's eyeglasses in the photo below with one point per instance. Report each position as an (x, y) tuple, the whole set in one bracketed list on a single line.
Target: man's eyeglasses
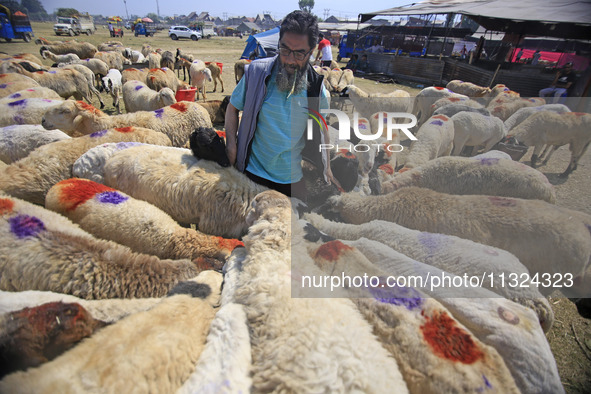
[(298, 55)]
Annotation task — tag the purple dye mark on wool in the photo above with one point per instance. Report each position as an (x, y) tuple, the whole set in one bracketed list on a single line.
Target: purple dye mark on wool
[(98, 133), (18, 119), (138, 87), (25, 226), (48, 100), (487, 385), (52, 72), (15, 95), (158, 113), (3, 86), (489, 161), (431, 241), (437, 123), (111, 197), (18, 103), (397, 295), (125, 145)]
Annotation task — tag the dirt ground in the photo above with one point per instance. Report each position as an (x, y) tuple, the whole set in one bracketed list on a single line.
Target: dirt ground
[(570, 336)]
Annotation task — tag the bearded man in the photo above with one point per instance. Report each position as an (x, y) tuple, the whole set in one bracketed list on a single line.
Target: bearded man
[(276, 96)]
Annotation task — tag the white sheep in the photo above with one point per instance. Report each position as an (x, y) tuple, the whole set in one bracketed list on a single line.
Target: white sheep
[(550, 128), (463, 100), (474, 129), (137, 74), (90, 165), (546, 238), (9, 88), (467, 88), (434, 139), (448, 253), (283, 356), (103, 269), (153, 60), (486, 176), (67, 58), (367, 104), (196, 191), (134, 56), (113, 86), (505, 105), (31, 177), (137, 96), (198, 75), (130, 223), (131, 354), (17, 141), (523, 113), (177, 121), (33, 92), (427, 97), (452, 109), (25, 111)]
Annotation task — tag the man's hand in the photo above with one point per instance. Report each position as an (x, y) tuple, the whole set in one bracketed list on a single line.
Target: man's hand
[(231, 153), (331, 178)]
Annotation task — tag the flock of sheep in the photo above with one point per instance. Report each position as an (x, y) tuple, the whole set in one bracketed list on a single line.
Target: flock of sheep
[(134, 259)]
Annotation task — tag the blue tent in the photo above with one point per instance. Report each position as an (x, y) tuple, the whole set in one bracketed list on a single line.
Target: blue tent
[(262, 45)]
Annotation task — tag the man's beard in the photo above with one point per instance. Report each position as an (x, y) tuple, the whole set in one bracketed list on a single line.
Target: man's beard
[(298, 80)]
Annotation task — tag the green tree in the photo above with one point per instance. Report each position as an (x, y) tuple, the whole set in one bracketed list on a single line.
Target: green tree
[(66, 12), (306, 5), (34, 6), (153, 16)]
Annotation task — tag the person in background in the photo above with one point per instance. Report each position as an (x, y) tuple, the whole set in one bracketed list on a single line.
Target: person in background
[(353, 62), (463, 52), (536, 57), (324, 52), (111, 32), (363, 65), (275, 96), (519, 54), (563, 81)]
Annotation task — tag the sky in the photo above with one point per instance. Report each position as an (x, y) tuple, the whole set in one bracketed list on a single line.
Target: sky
[(225, 8)]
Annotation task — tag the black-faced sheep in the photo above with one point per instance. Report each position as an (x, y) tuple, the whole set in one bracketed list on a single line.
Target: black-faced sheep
[(177, 121), (206, 144)]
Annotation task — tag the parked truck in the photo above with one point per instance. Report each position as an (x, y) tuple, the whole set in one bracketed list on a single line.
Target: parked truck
[(14, 25), (74, 25)]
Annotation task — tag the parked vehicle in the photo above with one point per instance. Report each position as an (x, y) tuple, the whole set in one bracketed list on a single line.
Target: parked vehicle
[(176, 32), (144, 29), (14, 25), (207, 30), (74, 25), (117, 25)]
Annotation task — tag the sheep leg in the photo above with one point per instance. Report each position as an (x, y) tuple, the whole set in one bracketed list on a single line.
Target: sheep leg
[(536, 155), (222, 83), (215, 85), (93, 90), (550, 149), (576, 154), (458, 146)]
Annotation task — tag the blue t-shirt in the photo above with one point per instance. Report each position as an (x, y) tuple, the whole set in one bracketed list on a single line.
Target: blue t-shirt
[(280, 134)]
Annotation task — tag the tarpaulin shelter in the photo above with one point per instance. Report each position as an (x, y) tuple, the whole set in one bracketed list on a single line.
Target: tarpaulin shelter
[(262, 45), (553, 18)]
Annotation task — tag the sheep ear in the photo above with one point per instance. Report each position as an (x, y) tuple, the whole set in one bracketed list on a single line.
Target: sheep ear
[(82, 122)]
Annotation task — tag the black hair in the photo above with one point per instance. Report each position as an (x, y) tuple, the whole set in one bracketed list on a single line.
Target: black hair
[(300, 22)]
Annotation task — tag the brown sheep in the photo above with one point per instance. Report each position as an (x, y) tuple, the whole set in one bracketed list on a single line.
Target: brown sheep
[(159, 78), (216, 74), (167, 60), (239, 69), (137, 74)]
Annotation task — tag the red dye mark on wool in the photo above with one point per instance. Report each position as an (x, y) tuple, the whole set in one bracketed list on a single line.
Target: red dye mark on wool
[(454, 99), (332, 250), (387, 168), (75, 192), (439, 88), (128, 129), (87, 107), (449, 341), (182, 107), (502, 201), (221, 133), (441, 117), (6, 206), (228, 243), (345, 153)]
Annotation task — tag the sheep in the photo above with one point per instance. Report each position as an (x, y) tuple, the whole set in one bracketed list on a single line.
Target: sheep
[(9, 88), (198, 75), (224, 365), (113, 58), (216, 74), (134, 56), (435, 350), (113, 86), (550, 128), (33, 92), (473, 129), (206, 144), (84, 50), (485, 176), (32, 336), (427, 97), (177, 121), (368, 104), (90, 77), (28, 57), (239, 68), (136, 74), (523, 113), (15, 77), (45, 41), (486, 316), (25, 111), (216, 109), (283, 356), (337, 80), (505, 106), (539, 234), (138, 342), (196, 191), (90, 165), (67, 58), (107, 310), (185, 65), (434, 139), (443, 102), (167, 60), (63, 258), (467, 88), (66, 83), (452, 109), (17, 141), (146, 49), (111, 45), (31, 177), (130, 222), (153, 60), (98, 67), (160, 78), (137, 96), (448, 253)]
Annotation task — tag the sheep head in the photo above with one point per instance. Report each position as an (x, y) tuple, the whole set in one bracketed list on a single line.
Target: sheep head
[(267, 205), (166, 97), (206, 144)]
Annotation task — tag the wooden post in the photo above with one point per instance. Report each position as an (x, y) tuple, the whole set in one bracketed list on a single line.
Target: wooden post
[(494, 76)]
